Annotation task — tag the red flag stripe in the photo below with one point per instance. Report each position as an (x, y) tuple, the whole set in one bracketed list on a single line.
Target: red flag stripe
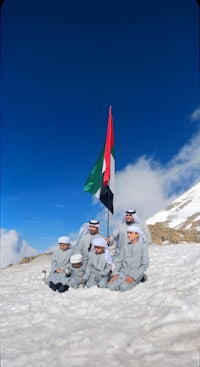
[(108, 146)]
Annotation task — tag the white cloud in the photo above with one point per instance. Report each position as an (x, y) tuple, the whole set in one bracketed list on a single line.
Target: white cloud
[(184, 168), (13, 248), (195, 116), (148, 186), (139, 187)]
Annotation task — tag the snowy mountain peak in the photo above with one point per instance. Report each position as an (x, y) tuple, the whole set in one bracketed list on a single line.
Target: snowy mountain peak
[(183, 213)]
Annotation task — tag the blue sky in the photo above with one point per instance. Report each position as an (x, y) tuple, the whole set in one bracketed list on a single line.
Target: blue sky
[(62, 65)]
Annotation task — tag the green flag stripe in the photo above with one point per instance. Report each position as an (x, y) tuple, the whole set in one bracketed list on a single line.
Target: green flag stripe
[(94, 180), (113, 151)]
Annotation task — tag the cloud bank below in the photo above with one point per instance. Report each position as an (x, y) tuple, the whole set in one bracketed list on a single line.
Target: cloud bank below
[(13, 248)]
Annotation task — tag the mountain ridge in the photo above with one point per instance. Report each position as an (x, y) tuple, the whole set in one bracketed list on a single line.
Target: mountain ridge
[(182, 216)]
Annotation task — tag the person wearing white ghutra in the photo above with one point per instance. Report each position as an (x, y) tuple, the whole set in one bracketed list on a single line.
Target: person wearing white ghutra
[(99, 265), (60, 263), (119, 235), (131, 263), (87, 233), (77, 271)]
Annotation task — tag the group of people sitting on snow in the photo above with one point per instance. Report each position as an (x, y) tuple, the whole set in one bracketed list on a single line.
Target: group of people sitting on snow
[(91, 262)]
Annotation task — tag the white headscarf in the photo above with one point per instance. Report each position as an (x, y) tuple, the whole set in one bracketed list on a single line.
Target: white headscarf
[(134, 215), (85, 228), (137, 229), (100, 241), (76, 258), (64, 239)]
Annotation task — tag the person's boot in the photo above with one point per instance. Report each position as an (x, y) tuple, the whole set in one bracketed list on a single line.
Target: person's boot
[(52, 286), (144, 278), (58, 285), (63, 288)]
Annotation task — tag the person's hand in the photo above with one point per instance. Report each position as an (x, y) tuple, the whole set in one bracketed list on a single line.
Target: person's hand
[(107, 240), (59, 270), (113, 278), (97, 278), (129, 279)]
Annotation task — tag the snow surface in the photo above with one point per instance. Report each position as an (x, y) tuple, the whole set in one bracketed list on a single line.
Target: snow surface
[(157, 324)]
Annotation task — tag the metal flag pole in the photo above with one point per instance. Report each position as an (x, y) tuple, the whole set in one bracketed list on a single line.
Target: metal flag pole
[(108, 219), (108, 206)]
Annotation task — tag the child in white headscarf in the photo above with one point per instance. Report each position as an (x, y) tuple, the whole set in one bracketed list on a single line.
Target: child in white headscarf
[(99, 264), (77, 271), (60, 263), (131, 263)]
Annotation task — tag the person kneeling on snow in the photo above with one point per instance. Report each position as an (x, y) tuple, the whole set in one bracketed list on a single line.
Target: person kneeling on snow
[(133, 260), (99, 264), (77, 271), (60, 263)]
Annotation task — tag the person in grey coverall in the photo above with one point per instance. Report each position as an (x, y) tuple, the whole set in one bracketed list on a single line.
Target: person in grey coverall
[(131, 263), (77, 271), (99, 265), (87, 232), (119, 235), (60, 263)]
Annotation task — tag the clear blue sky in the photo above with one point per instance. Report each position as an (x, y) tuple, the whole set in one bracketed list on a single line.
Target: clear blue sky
[(62, 64)]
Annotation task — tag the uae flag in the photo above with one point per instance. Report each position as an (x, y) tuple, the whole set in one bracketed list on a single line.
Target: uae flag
[(101, 180)]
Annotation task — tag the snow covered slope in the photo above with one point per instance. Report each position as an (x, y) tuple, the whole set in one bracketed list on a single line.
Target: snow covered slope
[(183, 213), (157, 324)]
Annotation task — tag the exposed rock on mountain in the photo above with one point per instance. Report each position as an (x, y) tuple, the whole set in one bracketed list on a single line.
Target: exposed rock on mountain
[(179, 221)]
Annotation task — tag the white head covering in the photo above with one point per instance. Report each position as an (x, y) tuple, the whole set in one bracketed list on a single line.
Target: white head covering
[(101, 242), (64, 239), (134, 228), (137, 229), (85, 228), (94, 223), (76, 258), (134, 215)]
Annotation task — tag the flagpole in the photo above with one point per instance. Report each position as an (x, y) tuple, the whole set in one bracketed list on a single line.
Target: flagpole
[(108, 218), (108, 215)]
